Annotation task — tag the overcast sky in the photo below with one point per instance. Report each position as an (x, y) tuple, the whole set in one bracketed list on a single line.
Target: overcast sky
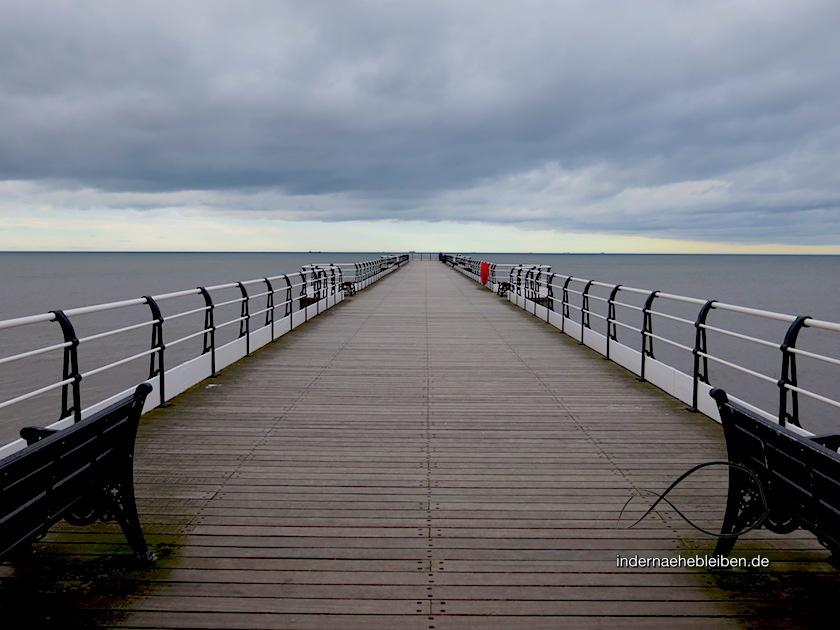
[(563, 125)]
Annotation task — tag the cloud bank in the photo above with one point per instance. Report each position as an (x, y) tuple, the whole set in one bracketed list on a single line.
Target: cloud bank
[(711, 120)]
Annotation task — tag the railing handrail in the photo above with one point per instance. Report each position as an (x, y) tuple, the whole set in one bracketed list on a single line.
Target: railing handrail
[(553, 291), (294, 291)]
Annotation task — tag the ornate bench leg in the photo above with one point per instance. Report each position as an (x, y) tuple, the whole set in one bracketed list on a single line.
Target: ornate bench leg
[(724, 545), (744, 509), (125, 513), (122, 506)]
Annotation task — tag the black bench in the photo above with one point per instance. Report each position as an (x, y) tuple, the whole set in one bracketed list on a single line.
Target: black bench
[(348, 286), (82, 474), (799, 476)]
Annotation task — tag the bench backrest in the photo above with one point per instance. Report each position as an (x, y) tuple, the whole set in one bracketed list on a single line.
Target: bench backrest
[(41, 482), (801, 477)]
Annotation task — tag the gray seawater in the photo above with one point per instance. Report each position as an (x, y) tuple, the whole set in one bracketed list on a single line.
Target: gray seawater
[(37, 282), (33, 283), (795, 285)]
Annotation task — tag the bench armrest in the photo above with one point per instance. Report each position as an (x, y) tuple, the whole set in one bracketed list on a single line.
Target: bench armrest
[(35, 434), (828, 440)]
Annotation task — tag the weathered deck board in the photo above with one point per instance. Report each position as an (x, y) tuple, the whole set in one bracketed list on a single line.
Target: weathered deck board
[(425, 455)]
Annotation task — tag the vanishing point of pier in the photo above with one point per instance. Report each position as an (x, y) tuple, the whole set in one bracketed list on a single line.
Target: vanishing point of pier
[(424, 455)]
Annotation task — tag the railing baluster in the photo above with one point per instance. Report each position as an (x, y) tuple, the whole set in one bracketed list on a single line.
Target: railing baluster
[(584, 311), (549, 294), (70, 369), (647, 330), (303, 292), (157, 366), (269, 306), (245, 322), (288, 308), (333, 285), (700, 370), (564, 304), (789, 374), (612, 333), (321, 289), (209, 330)]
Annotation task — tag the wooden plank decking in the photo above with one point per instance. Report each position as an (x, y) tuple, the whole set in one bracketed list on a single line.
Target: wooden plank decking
[(425, 455)]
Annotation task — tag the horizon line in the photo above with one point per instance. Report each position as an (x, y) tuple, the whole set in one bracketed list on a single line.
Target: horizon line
[(363, 251)]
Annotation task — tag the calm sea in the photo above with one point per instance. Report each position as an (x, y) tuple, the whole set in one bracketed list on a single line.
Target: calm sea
[(795, 285), (37, 282)]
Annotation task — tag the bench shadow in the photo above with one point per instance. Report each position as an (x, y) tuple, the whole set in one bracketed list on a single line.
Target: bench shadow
[(795, 599), (53, 588)]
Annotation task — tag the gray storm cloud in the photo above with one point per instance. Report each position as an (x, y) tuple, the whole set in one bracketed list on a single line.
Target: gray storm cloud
[(703, 120)]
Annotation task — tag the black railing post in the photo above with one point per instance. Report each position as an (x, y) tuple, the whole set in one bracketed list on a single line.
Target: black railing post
[(289, 309), (288, 306), (70, 370), (789, 374), (528, 284), (157, 367), (647, 331), (303, 288), (320, 288), (701, 363), (564, 304), (245, 319), (549, 295), (584, 311), (333, 285), (209, 330), (612, 331), (269, 306)]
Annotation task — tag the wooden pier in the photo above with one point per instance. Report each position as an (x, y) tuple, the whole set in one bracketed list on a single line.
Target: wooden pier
[(425, 455)]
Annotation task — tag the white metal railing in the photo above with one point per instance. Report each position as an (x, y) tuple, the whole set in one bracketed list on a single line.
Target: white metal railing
[(673, 340), (227, 321)]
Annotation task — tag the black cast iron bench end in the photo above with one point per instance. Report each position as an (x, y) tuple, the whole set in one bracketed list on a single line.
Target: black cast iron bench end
[(799, 477), (81, 474)]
